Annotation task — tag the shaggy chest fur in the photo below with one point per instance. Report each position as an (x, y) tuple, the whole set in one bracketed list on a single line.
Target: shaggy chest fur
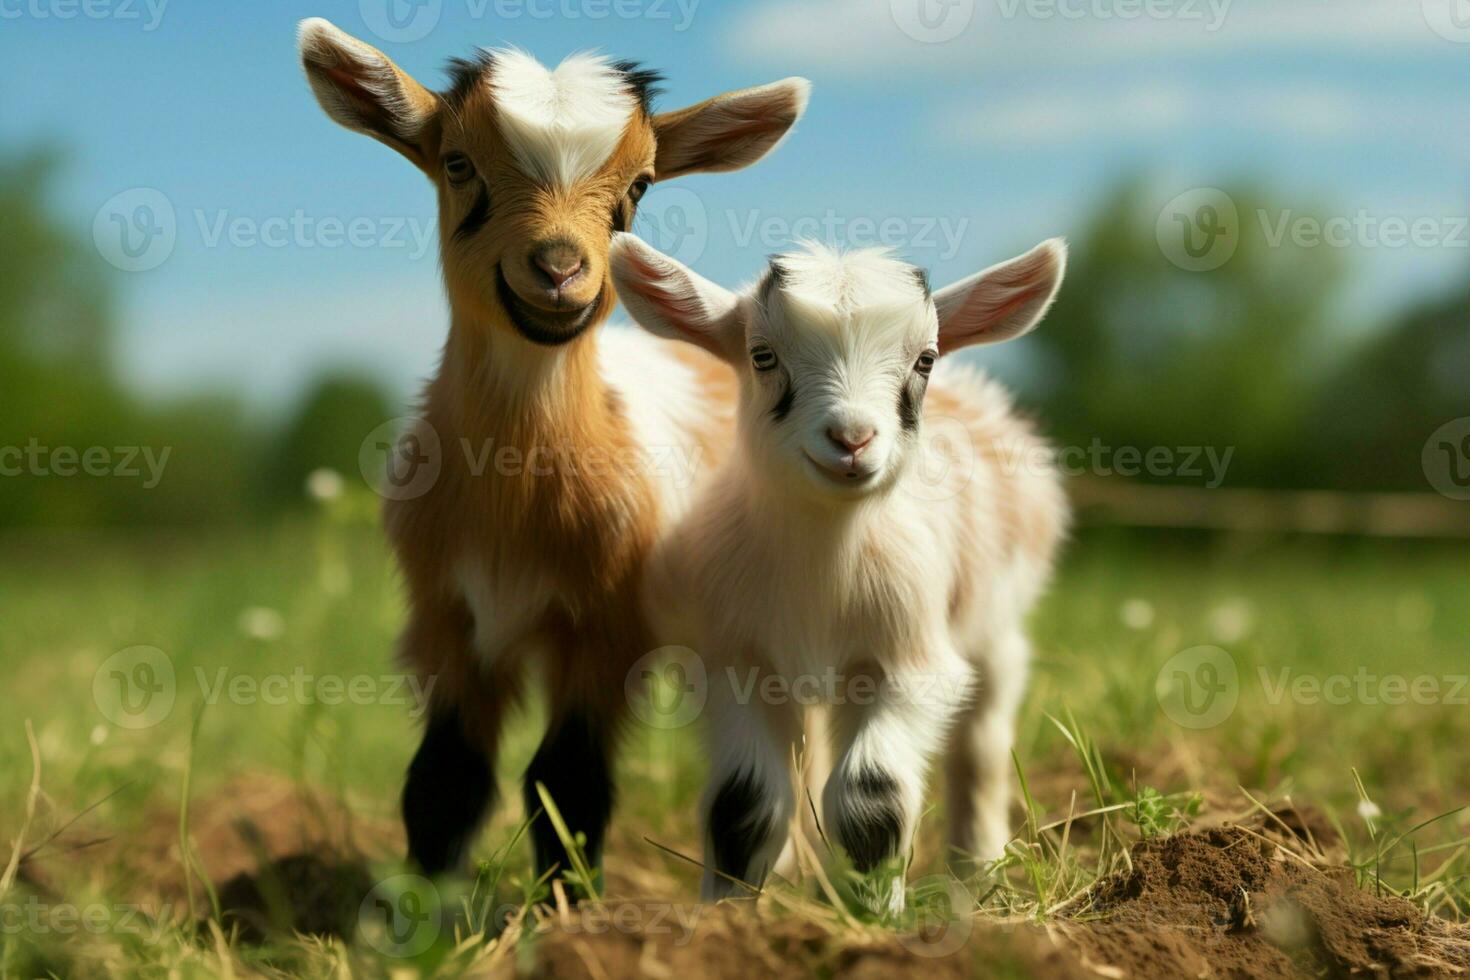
[(548, 504), (804, 594)]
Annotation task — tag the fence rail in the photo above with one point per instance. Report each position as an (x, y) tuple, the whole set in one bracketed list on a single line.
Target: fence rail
[(1388, 515)]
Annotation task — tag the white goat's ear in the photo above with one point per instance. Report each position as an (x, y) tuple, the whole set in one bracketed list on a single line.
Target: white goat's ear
[(1004, 301), (361, 88), (729, 131), (672, 300)]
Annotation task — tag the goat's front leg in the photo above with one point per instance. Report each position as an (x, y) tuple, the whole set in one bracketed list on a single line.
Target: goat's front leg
[(884, 743), (585, 694), (979, 761), (749, 803), (450, 784)]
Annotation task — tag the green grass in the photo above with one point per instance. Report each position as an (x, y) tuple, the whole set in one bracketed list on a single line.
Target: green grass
[(1100, 761)]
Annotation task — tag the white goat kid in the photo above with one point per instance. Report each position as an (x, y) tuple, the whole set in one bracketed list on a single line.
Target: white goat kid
[(841, 548)]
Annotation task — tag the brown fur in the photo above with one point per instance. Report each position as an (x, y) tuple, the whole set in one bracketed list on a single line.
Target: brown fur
[(539, 561)]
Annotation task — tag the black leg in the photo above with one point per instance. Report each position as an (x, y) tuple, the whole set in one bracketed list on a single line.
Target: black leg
[(451, 784), (574, 764), (870, 825), (741, 820)]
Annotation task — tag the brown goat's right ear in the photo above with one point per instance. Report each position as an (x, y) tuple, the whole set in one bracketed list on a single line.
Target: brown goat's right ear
[(361, 88)]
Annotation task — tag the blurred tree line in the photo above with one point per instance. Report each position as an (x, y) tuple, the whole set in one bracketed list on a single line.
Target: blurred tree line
[(1136, 353), (1249, 357), (61, 399)]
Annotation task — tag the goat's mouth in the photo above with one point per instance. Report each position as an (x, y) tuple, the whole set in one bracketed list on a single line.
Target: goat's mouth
[(545, 327), (852, 480)]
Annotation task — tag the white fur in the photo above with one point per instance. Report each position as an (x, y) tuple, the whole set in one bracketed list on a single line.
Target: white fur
[(564, 123), (662, 401), (919, 575)]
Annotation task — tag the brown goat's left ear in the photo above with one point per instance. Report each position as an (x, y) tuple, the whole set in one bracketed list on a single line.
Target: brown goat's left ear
[(729, 131), (361, 88)]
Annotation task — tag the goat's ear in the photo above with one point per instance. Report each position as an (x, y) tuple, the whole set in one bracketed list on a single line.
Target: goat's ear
[(672, 300), (361, 88), (729, 131), (1004, 301)]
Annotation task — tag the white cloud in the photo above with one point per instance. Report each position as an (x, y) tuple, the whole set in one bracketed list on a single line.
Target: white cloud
[(857, 36)]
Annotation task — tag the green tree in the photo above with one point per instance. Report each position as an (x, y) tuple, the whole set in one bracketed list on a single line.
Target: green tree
[(1139, 352)]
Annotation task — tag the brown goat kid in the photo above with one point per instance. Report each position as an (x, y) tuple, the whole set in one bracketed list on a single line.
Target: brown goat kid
[(539, 563)]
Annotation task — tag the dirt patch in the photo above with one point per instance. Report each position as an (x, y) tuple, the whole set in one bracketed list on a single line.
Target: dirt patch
[(310, 894), (738, 941), (245, 825), (281, 858), (1225, 902)]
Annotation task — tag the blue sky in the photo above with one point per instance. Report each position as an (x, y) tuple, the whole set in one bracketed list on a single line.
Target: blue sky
[(965, 135)]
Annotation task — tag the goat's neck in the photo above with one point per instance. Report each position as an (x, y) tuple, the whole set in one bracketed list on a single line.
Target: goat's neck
[(504, 388), (799, 514)]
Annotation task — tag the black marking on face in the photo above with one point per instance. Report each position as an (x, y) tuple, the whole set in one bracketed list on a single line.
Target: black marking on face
[(911, 401), (540, 326), (479, 213), (782, 408), (774, 279), (465, 75), (871, 826), (923, 279), (642, 82), (740, 821), (623, 213)]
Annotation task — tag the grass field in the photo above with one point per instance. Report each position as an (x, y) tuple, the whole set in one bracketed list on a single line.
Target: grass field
[(1347, 698)]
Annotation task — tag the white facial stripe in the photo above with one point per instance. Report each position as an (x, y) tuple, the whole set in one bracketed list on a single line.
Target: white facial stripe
[(865, 295), (562, 125), (846, 282)]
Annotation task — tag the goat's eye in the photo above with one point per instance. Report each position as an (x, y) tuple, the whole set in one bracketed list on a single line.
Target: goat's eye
[(457, 168), (639, 188), (763, 358), (925, 363)]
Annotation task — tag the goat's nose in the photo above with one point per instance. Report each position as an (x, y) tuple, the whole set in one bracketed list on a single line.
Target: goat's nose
[(559, 263), (851, 438)]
